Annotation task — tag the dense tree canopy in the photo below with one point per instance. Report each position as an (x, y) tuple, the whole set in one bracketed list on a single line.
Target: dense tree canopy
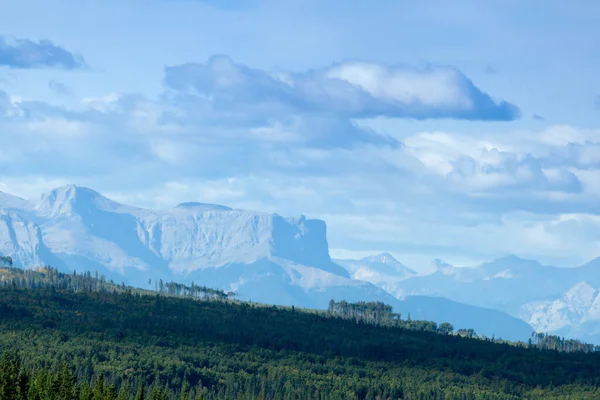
[(77, 337)]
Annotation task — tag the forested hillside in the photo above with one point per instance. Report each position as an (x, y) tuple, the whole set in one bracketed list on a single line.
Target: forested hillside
[(78, 337)]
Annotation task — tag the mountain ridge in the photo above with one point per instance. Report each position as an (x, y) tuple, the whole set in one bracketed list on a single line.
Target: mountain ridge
[(264, 257)]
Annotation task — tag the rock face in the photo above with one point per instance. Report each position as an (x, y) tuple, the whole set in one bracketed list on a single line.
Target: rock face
[(79, 224), (576, 313), (20, 238), (263, 257)]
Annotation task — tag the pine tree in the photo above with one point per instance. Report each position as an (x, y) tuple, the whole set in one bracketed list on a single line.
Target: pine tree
[(124, 391), (9, 376), (23, 384), (99, 388), (140, 394)]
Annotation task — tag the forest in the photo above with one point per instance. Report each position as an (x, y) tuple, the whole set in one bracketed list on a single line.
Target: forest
[(77, 336)]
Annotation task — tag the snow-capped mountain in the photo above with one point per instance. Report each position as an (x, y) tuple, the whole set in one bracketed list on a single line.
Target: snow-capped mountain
[(381, 270), (563, 301), (263, 257), (505, 284), (82, 224), (442, 266), (576, 313)]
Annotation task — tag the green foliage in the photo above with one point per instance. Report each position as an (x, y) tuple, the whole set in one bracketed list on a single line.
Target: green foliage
[(446, 327), (78, 337), (552, 342)]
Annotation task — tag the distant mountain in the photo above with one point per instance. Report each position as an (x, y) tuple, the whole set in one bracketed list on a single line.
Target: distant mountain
[(382, 269), (562, 301), (576, 313), (483, 320), (263, 257), (8, 202), (442, 266), (505, 284)]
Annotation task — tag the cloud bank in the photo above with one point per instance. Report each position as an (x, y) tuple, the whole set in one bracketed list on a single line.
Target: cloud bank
[(351, 90)]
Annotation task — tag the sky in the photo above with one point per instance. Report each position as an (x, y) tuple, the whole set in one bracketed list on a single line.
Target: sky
[(464, 131)]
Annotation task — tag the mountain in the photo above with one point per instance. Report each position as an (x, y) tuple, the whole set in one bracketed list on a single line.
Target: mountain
[(505, 284), (484, 321), (569, 310), (79, 224), (442, 266), (575, 314), (385, 271), (382, 269), (8, 201), (261, 257), (561, 301)]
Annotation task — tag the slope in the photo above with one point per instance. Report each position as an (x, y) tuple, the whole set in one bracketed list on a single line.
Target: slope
[(122, 334)]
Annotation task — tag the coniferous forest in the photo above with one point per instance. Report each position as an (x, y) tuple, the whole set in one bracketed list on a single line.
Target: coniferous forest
[(77, 336)]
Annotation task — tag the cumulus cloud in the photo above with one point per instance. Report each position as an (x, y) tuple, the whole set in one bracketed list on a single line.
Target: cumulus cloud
[(503, 172), (191, 136), (28, 54), (547, 171), (352, 90)]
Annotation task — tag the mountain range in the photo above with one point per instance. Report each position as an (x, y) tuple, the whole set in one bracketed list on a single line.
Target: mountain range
[(266, 258), (558, 300)]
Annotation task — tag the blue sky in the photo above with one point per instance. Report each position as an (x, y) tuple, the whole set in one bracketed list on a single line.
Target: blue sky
[(426, 129)]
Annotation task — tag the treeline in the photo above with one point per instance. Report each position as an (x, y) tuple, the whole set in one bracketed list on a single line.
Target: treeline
[(47, 276), (193, 291), (379, 313), (551, 342), (376, 313)]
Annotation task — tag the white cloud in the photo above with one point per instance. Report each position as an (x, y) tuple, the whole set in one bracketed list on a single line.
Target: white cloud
[(351, 89), (434, 87)]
